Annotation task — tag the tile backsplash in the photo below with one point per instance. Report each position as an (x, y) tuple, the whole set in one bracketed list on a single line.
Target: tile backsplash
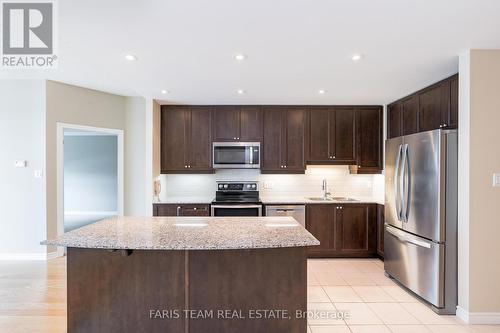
[(340, 183)]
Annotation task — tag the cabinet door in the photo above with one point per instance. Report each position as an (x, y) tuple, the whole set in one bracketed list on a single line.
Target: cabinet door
[(380, 230), (410, 115), (200, 139), (343, 135), (369, 132), (319, 135), (394, 120), (357, 227), (293, 133), (271, 145), (165, 210), (453, 114), (226, 123), (250, 124), (320, 222), (433, 103), (173, 139)]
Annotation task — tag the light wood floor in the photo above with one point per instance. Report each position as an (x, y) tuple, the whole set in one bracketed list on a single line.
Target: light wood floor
[(33, 299)]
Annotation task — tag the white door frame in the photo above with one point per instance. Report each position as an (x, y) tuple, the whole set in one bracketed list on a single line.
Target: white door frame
[(60, 170)]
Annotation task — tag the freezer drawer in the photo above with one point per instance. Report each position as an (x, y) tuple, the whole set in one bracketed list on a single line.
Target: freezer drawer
[(415, 262)]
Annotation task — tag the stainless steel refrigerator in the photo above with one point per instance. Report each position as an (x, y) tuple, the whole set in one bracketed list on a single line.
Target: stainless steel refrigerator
[(420, 236)]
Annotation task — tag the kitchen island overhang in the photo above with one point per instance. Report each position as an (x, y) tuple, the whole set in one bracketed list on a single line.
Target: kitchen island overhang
[(187, 274)]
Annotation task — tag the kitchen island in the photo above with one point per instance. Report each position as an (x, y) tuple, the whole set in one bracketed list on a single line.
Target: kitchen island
[(187, 274)]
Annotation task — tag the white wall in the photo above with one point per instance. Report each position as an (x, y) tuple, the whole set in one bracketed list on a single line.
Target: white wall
[(135, 156), (22, 197), (340, 183)]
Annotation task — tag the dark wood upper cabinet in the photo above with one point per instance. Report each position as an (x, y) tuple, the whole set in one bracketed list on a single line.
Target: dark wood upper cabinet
[(332, 137), (250, 123), (431, 108), (200, 154), (319, 134), (237, 123), (283, 140), (452, 121), (226, 123), (174, 122), (394, 120), (410, 115), (186, 139), (369, 130), (344, 135), (434, 105)]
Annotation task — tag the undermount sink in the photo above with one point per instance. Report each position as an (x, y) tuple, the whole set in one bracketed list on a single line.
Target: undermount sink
[(331, 199)]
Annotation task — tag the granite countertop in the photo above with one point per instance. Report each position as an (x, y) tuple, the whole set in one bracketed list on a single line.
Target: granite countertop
[(188, 233), (273, 200)]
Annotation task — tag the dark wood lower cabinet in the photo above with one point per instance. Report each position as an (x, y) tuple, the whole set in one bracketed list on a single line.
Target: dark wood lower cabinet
[(344, 230), (185, 291), (380, 230), (160, 209)]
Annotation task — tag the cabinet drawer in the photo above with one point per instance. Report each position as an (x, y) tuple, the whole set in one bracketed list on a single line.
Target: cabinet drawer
[(181, 210)]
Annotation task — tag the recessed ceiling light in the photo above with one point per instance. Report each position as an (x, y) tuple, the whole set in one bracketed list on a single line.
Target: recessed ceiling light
[(165, 91), (239, 56), (240, 91), (130, 57), (357, 57), (322, 91)]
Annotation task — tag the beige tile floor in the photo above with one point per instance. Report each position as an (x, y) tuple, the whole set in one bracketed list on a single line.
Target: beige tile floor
[(372, 302), (33, 299)]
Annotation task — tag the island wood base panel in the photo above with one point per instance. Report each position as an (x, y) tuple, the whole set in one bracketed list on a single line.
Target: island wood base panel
[(116, 291)]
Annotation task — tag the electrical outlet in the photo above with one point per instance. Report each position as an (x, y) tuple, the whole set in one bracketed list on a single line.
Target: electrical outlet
[(268, 185), (496, 179)]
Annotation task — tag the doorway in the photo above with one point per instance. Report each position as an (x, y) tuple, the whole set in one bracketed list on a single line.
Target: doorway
[(89, 175)]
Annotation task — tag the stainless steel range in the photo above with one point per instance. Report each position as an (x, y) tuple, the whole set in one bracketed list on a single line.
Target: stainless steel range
[(237, 199)]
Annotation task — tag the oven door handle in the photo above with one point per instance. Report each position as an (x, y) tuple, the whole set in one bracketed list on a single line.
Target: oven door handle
[(237, 206)]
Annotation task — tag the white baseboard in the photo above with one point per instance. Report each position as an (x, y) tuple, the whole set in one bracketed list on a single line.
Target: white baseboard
[(28, 256), (478, 318)]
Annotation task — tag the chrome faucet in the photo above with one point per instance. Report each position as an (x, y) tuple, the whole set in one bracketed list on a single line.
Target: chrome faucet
[(326, 194)]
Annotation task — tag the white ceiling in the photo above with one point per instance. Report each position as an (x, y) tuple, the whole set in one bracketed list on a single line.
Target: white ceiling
[(293, 47)]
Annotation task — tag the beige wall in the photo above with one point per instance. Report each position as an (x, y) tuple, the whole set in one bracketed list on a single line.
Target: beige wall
[(484, 227), (74, 105)]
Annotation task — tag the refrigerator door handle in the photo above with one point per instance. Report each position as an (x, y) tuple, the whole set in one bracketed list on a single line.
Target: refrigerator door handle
[(407, 239), (397, 185), (401, 182), (407, 184)]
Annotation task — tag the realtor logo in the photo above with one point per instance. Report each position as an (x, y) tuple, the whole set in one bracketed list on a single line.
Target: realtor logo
[(28, 34)]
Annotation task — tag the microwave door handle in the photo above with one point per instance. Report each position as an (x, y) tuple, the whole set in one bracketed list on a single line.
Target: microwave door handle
[(396, 185), (251, 155)]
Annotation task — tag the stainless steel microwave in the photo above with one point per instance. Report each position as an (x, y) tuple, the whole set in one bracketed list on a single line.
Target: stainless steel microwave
[(236, 155)]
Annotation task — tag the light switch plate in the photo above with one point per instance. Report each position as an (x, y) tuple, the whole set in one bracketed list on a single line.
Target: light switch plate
[(496, 179), (268, 185), (20, 164), (38, 173)]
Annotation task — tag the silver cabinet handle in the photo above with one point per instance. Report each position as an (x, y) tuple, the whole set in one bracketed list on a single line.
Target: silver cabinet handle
[(178, 210)]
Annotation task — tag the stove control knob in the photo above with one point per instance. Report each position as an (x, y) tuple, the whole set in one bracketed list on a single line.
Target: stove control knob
[(220, 186), (254, 186), (248, 185), (225, 185)]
